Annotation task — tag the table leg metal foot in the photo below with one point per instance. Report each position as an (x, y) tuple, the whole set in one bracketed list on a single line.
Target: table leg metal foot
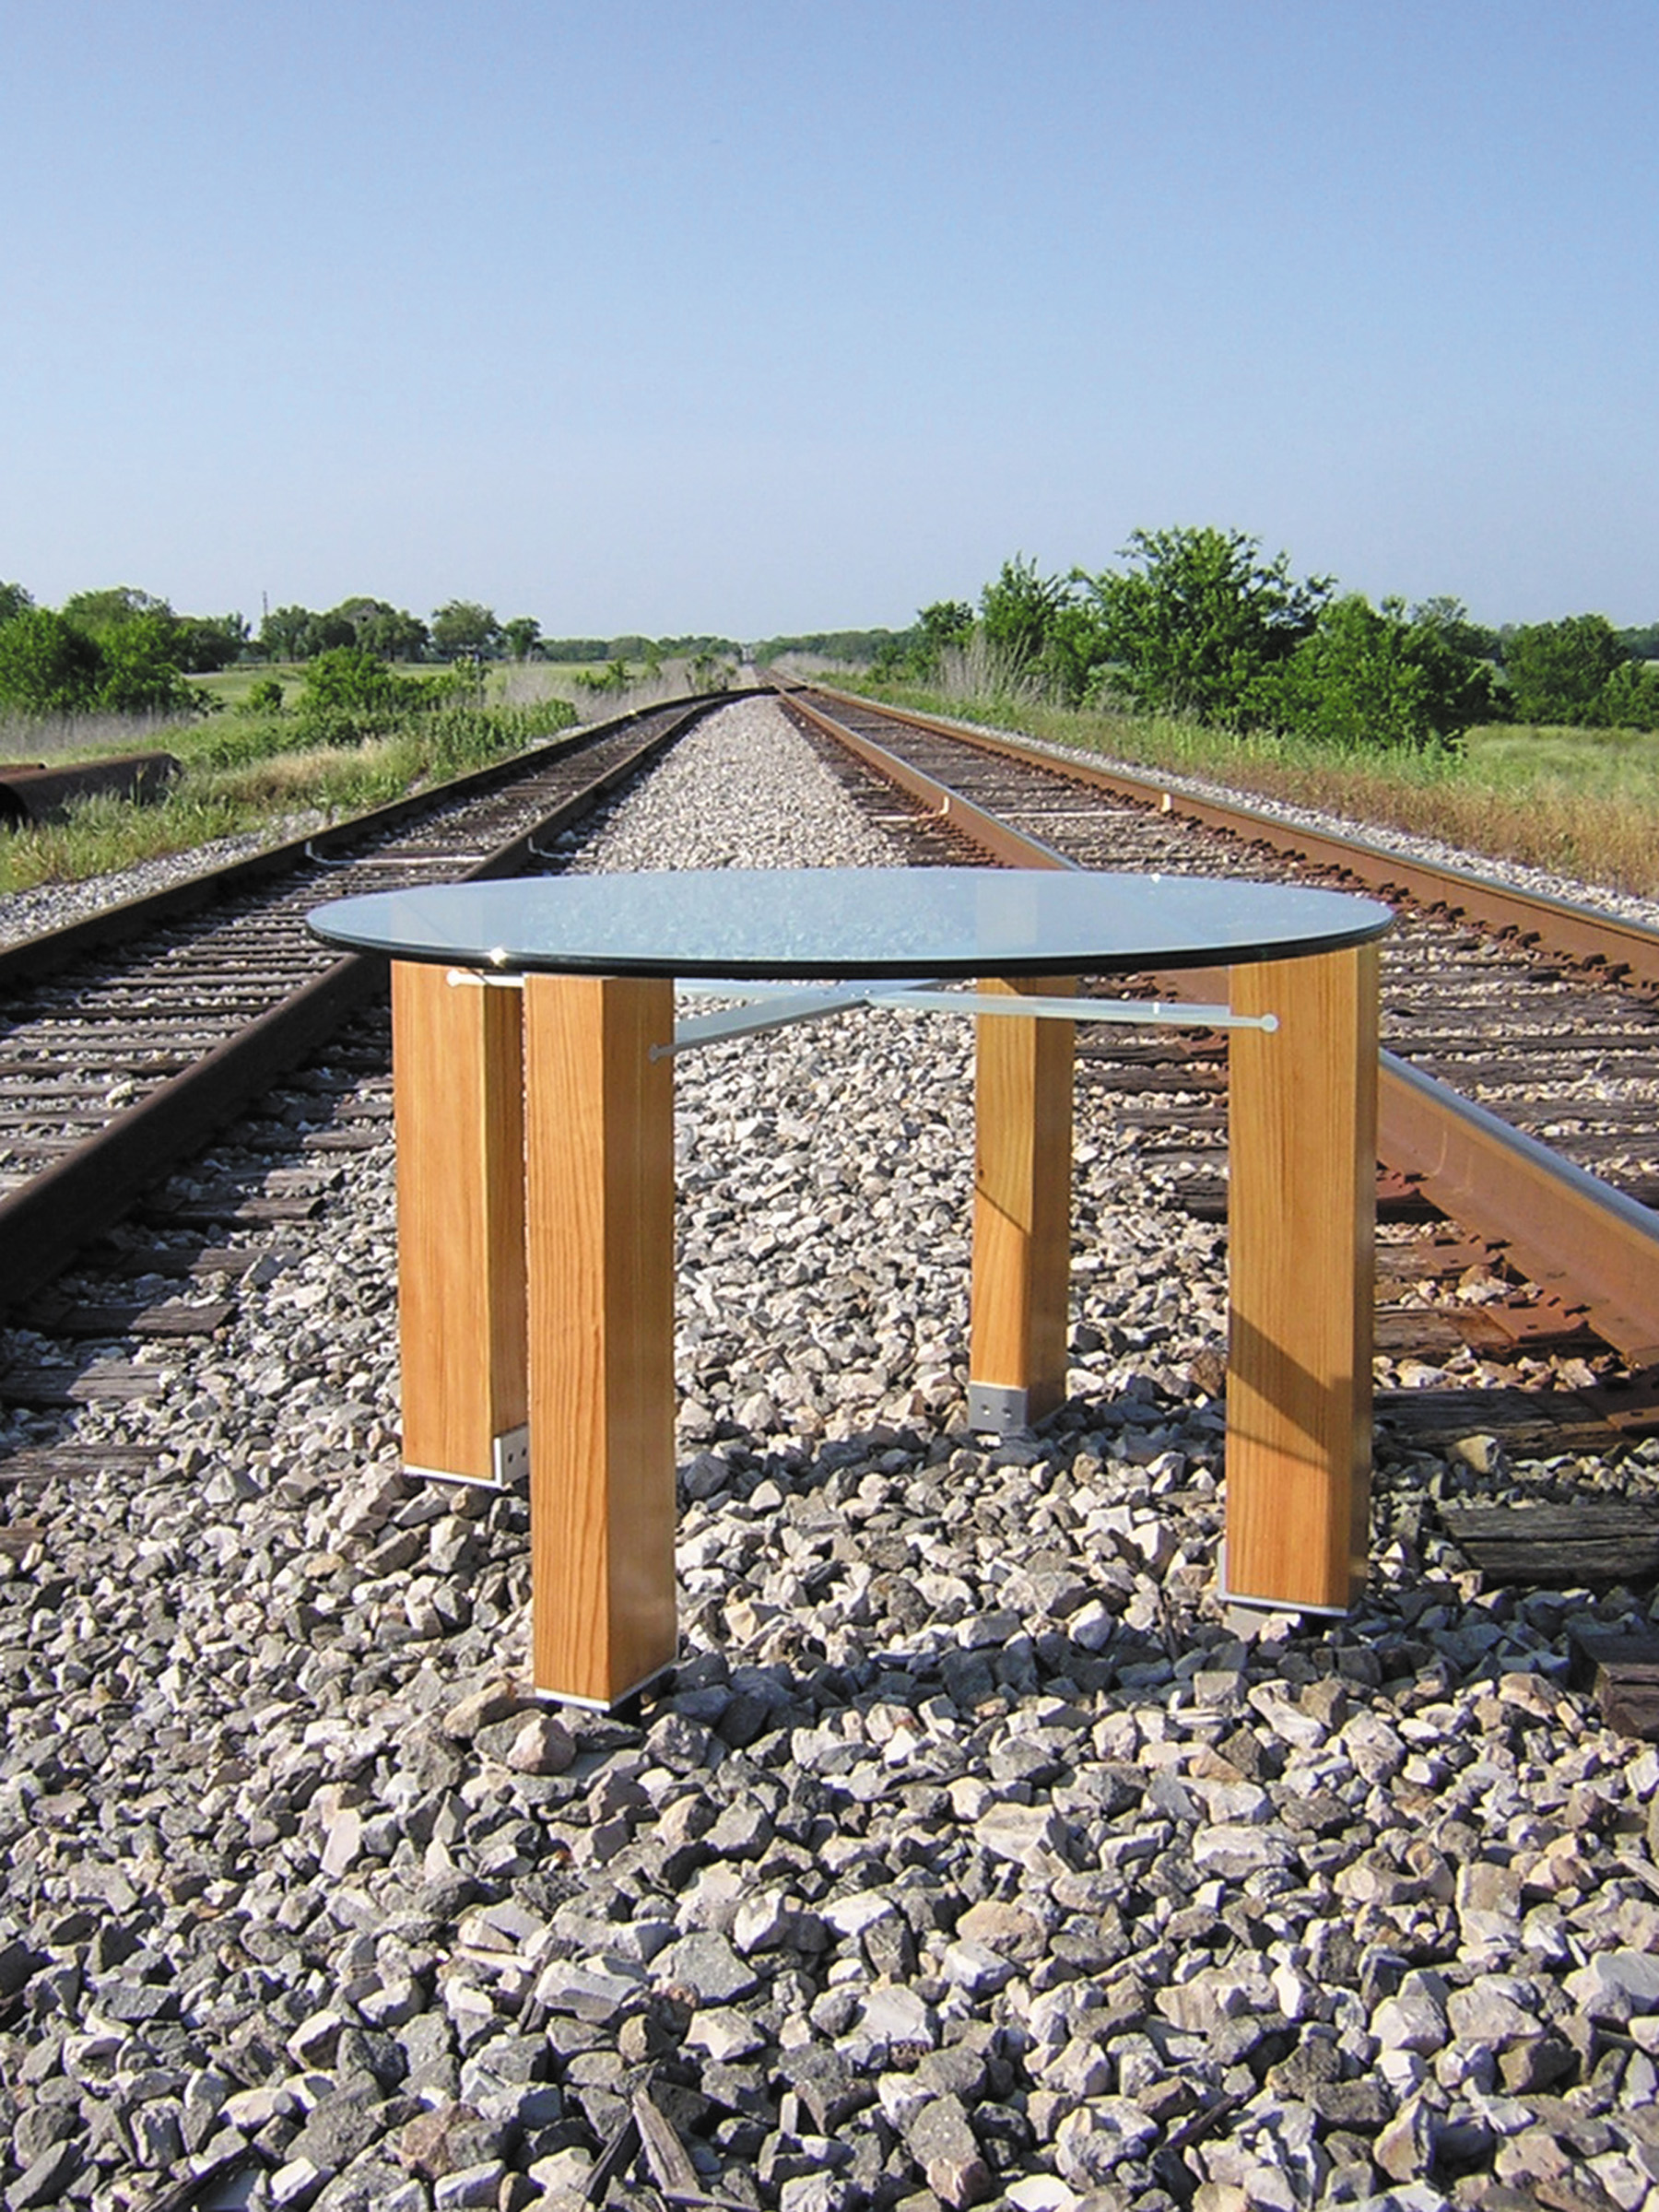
[(508, 1465), (996, 1408)]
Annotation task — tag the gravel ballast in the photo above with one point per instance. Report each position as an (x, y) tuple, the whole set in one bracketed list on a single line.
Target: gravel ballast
[(976, 1855), (48, 906)]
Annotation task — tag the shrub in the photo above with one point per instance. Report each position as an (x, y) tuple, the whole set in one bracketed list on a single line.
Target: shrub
[(47, 666), (1558, 671), (140, 673), (1201, 623), (1368, 676), (1630, 698), (350, 679)]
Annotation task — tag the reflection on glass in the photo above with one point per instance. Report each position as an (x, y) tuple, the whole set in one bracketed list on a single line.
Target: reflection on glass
[(850, 922)]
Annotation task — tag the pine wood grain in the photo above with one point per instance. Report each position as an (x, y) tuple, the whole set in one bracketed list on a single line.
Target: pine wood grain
[(457, 1082), (1022, 1198), (600, 1153), (1301, 1236)]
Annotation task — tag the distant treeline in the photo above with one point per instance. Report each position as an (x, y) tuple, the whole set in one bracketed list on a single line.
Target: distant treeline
[(1199, 624), (636, 648), (129, 651), (126, 651), (119, 651), (837, 646)]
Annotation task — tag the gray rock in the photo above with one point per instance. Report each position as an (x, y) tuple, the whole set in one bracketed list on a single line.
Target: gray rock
[(707, 1966), (44, 2178), (1615, 1985), (1056, 1844), (589, 1993), (940, 2140), (1415, 2019), (1405, 2147), (1092, 2144), (469, 2186), (1030, 1835), (1489, 2012), (542, 1744), (336, 2131)]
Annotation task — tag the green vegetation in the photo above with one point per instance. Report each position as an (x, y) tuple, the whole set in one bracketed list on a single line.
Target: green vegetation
[(1538, 742), (633, 647), (1201, 626), (51, 665), (1197, 652), (296, 633), (359, 736), (865, 647), (1583, 803), (1578, 672), (335, 711)]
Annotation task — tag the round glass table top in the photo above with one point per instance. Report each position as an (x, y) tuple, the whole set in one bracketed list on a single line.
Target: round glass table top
[(827, 923)]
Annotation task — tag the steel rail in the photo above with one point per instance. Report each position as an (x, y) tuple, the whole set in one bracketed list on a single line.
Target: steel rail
[(33, 958), (1627, 951), (49, 1219), (1571, 1233), (1595, 1249)]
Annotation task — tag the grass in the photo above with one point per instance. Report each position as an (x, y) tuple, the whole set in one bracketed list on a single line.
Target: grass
[(248, 772), (52, 739), (1582, 804), (245, 773)]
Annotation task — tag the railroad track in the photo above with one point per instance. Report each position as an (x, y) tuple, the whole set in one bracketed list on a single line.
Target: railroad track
[(133, 1035), (130, 1037), (1520, 1077)]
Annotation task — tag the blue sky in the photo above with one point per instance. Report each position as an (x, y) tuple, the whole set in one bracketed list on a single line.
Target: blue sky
[(756, 317)]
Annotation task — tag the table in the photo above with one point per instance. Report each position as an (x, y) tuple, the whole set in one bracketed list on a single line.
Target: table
[(533, 1041)]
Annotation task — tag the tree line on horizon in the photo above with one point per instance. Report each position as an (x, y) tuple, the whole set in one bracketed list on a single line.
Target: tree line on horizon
[(126, 651), (1197, 624), (1200, 625)]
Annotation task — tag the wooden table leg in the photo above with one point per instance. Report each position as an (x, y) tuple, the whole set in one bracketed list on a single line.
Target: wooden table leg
[(1301, 1210), (600, 1153), (1021, 1212), (457, 1087)]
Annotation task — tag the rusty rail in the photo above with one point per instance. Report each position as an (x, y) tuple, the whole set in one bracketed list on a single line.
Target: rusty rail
[(47, 1220), (1572, 1233), (1624, 950)]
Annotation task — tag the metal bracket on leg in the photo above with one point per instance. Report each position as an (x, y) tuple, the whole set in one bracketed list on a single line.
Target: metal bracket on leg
[(996, 1408), (509, 1459)]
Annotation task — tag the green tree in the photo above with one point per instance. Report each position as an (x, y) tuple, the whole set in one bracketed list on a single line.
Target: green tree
[(101, 614), (377, 626), (463, 626), (1368, 678), (284, 633), (195, 644), (1558, 671), (351, 680), (14, 600), (1018, 613), (1457, 657), (1630, 698), (205, 642), (140, 673), (1201, 620), (1450, 619), (522, 635), (945, 623), (47, 666), (1076, 653)]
